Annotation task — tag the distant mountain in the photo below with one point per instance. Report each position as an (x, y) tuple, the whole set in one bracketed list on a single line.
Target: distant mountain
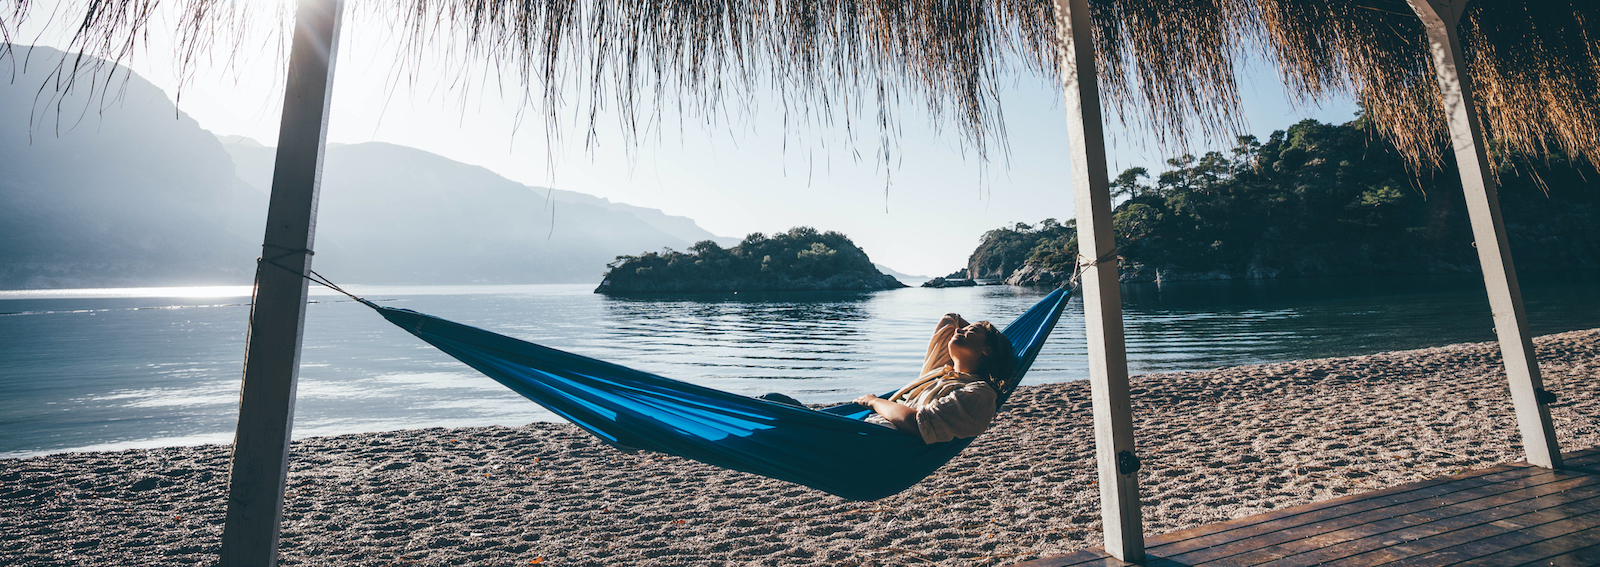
[(683, 228), (907, 279), (114, 191), (131, 192), (245, 141), (400, 215)]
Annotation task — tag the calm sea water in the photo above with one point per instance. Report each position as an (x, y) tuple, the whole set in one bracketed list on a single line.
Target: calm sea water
[(111, 369)]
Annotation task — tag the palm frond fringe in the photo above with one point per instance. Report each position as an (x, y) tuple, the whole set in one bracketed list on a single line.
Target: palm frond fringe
[(1168, 65)]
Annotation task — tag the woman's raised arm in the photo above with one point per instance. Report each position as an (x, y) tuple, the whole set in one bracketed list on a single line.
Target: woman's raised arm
[(939, 346)]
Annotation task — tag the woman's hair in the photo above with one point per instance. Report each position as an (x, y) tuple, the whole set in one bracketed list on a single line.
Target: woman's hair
[(1002, 359)]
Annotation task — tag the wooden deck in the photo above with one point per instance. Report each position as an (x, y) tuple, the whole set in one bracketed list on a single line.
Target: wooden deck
[(1514, 514)]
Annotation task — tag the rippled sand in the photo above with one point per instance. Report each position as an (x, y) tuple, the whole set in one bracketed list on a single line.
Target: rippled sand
[(1216, 445)]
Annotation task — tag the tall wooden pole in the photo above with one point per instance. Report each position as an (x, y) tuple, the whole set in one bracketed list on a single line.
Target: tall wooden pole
[(277, 319), (1440, 17), (1102, 299)]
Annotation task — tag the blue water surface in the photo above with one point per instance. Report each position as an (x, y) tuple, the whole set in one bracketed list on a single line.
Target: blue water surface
[(111, 369)]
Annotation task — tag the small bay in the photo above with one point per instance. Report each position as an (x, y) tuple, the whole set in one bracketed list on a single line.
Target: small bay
[(112, 369)]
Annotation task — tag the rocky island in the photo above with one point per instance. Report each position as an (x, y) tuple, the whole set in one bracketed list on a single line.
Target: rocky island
[(801, 259)]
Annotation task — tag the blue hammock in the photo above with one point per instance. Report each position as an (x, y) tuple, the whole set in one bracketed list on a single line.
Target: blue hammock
[(831, 450)]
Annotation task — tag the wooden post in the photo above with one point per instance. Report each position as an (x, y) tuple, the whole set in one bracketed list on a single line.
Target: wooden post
[(1102, 299), (277, 319), (1440, 17)]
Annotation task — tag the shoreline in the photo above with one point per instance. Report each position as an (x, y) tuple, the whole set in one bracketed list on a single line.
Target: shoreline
[(1216, 445)]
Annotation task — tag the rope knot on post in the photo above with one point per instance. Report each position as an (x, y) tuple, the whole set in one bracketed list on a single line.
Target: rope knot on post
[(314, 277), (1084, 263)]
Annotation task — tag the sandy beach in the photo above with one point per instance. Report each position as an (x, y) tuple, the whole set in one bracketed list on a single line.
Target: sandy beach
[(1216, 445)]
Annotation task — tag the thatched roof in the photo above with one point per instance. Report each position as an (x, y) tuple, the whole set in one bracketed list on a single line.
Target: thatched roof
[(1535, 65), (1166, 63)]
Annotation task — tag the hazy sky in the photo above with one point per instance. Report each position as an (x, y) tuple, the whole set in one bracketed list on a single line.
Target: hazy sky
[(922, 215)]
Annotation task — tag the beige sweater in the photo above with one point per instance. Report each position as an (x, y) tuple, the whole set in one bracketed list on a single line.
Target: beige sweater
[(948, 404)]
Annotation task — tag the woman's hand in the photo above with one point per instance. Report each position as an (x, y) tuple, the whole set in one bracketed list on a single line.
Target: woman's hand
[(952, 319), (899, 415)]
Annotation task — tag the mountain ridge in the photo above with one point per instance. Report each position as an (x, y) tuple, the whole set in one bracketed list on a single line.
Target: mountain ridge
[(136, 193), (381, 199), (82, 207)]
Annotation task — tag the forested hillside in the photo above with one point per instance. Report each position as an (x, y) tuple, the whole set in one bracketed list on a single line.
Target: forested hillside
[(1314, 200)]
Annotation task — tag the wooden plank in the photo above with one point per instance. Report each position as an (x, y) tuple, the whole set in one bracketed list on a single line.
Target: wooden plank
[(277, 319), (1102, 298), (1516, 495), (1348, 540), (1397, 538), (1542, 550), (1586, 557), (1591, 454), (1176, 542), (1261, 541), (1084, 558), (1587, 460), (1096, 558), (1331, 510), (1487, 526), (1498, 549), (1380, 534), (1439, 18), (1522, 492), (1107, 561), (1167, 542)]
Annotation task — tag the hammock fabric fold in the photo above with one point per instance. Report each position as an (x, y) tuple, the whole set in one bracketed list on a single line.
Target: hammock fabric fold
[(831, 450)]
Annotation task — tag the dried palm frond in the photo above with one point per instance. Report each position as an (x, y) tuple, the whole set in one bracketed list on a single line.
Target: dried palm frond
[(1168, 65), (1535, 66)]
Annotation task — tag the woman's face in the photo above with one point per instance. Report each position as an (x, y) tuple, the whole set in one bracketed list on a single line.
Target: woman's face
[(970, 344)]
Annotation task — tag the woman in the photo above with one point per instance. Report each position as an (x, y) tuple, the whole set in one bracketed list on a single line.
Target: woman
[(956, 396)]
